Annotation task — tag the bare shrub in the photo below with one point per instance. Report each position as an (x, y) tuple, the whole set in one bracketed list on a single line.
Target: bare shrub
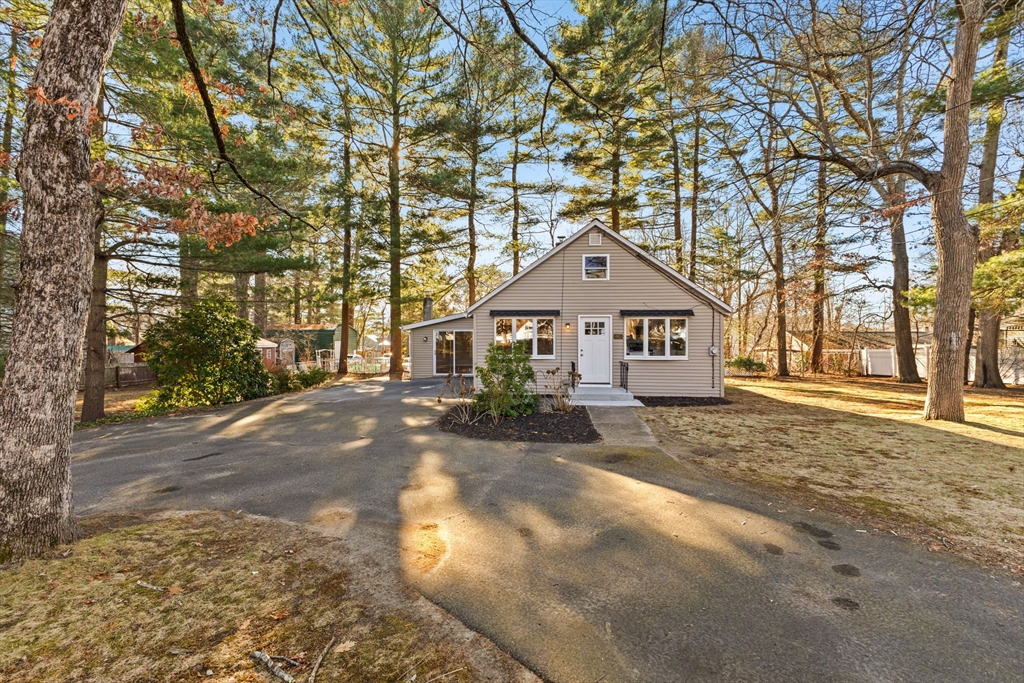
[(460, 392), (557, 391)]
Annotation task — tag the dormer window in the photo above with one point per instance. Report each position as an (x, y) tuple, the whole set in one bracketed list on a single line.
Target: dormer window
[(595, 267)]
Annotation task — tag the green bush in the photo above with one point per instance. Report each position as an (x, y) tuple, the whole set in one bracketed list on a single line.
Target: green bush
[(206, 356), (506, 377), (283, 381), (313, 377), (746, 364)]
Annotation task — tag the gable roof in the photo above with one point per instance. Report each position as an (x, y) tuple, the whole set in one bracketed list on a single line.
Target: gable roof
[(657, 265)]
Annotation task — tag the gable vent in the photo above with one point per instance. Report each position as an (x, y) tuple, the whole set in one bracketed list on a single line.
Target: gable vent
[(595, 239)]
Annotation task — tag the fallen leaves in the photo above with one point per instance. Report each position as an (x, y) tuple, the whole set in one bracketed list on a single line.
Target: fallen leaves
[(341, 648)]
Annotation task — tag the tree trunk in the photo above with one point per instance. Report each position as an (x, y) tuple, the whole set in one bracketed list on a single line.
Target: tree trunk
[(61, 210), (779, 268), (614, 202), (471, 232), (820, 257), (677, 200), (296, 298), (8, 139), (695, 169), (260, 314), (986, 366), (906, 357), (188, 272), (971, 316), (516, 248), (96, 334), (956, 242), (242, 295), (395, 245), (346, 255)]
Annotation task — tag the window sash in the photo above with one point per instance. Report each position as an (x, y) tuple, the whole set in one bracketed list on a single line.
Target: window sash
[(453, 352), (537, 335), (596, 267), (655, 338)]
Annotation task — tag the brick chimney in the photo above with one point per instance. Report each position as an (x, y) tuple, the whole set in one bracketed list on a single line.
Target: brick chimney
[(428, 308)]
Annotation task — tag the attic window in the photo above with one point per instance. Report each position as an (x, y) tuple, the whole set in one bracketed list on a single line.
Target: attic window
[(595, 239), (595, 267)]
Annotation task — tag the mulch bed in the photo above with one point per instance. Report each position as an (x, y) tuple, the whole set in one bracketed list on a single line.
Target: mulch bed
[(573, 427), (682, 401)]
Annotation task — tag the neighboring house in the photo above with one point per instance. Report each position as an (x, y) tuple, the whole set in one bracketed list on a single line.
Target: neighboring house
[(120, 354), (268, 352), (597, 303), (309, 339)]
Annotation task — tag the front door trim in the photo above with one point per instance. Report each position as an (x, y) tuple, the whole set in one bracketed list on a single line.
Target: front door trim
[(611, 353)]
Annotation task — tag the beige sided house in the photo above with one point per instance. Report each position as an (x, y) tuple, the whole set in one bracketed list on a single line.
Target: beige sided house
[(597, 303)]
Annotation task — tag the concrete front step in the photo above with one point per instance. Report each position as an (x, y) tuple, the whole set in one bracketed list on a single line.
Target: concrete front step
[(604, 396), (625, 403)]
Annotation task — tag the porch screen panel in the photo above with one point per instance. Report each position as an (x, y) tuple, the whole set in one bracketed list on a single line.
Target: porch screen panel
[(463, 353), (444, 352)]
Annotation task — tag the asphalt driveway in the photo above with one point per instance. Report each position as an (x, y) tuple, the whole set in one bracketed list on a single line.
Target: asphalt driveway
[(586, 563)]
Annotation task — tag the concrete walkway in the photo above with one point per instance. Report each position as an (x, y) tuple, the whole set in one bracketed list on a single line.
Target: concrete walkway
[(610, 562), (620, 426)]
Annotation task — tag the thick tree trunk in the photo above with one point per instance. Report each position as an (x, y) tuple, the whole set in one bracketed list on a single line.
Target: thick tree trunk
[(61, 210), (906, 357), (395, 245), (986, 367), (96, 334), (695, 169), (956, 241), (296, 298), (820, 258)]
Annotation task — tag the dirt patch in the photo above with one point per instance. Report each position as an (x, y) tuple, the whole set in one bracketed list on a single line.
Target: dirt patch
[(859, 447), (117, 401), (681, 401), (550, 427), (191, 597)]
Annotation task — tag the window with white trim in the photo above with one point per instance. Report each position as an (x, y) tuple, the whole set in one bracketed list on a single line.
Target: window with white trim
[(655, 337), (535, 335), (595, 267)]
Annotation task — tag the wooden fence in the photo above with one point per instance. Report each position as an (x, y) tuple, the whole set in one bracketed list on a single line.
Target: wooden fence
[(124, 375)]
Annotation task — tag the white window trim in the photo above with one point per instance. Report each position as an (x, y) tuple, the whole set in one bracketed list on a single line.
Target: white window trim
[(668, 331), (514, 318), (607, 268), (433, 352), (592, 241)]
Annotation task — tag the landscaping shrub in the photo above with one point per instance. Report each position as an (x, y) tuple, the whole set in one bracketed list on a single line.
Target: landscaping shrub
[(283, 381), (312, 377), (206, 356), (746, 364), (507, 378)]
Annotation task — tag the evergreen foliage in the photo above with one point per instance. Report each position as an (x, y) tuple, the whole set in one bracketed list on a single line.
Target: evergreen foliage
[(206, 356), (507, 379)]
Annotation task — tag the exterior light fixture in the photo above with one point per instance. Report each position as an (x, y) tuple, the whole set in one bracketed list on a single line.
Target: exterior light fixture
[(424, 338), (568, 327)]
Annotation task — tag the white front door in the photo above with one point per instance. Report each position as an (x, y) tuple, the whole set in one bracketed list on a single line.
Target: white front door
[(595, 336)]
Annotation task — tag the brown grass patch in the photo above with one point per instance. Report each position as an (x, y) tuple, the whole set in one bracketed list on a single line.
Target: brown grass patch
[(232, 585), (117, 401), (861, 445)]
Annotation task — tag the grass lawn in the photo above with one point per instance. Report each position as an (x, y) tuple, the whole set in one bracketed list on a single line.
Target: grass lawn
[(860, 447), (192, 597)]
